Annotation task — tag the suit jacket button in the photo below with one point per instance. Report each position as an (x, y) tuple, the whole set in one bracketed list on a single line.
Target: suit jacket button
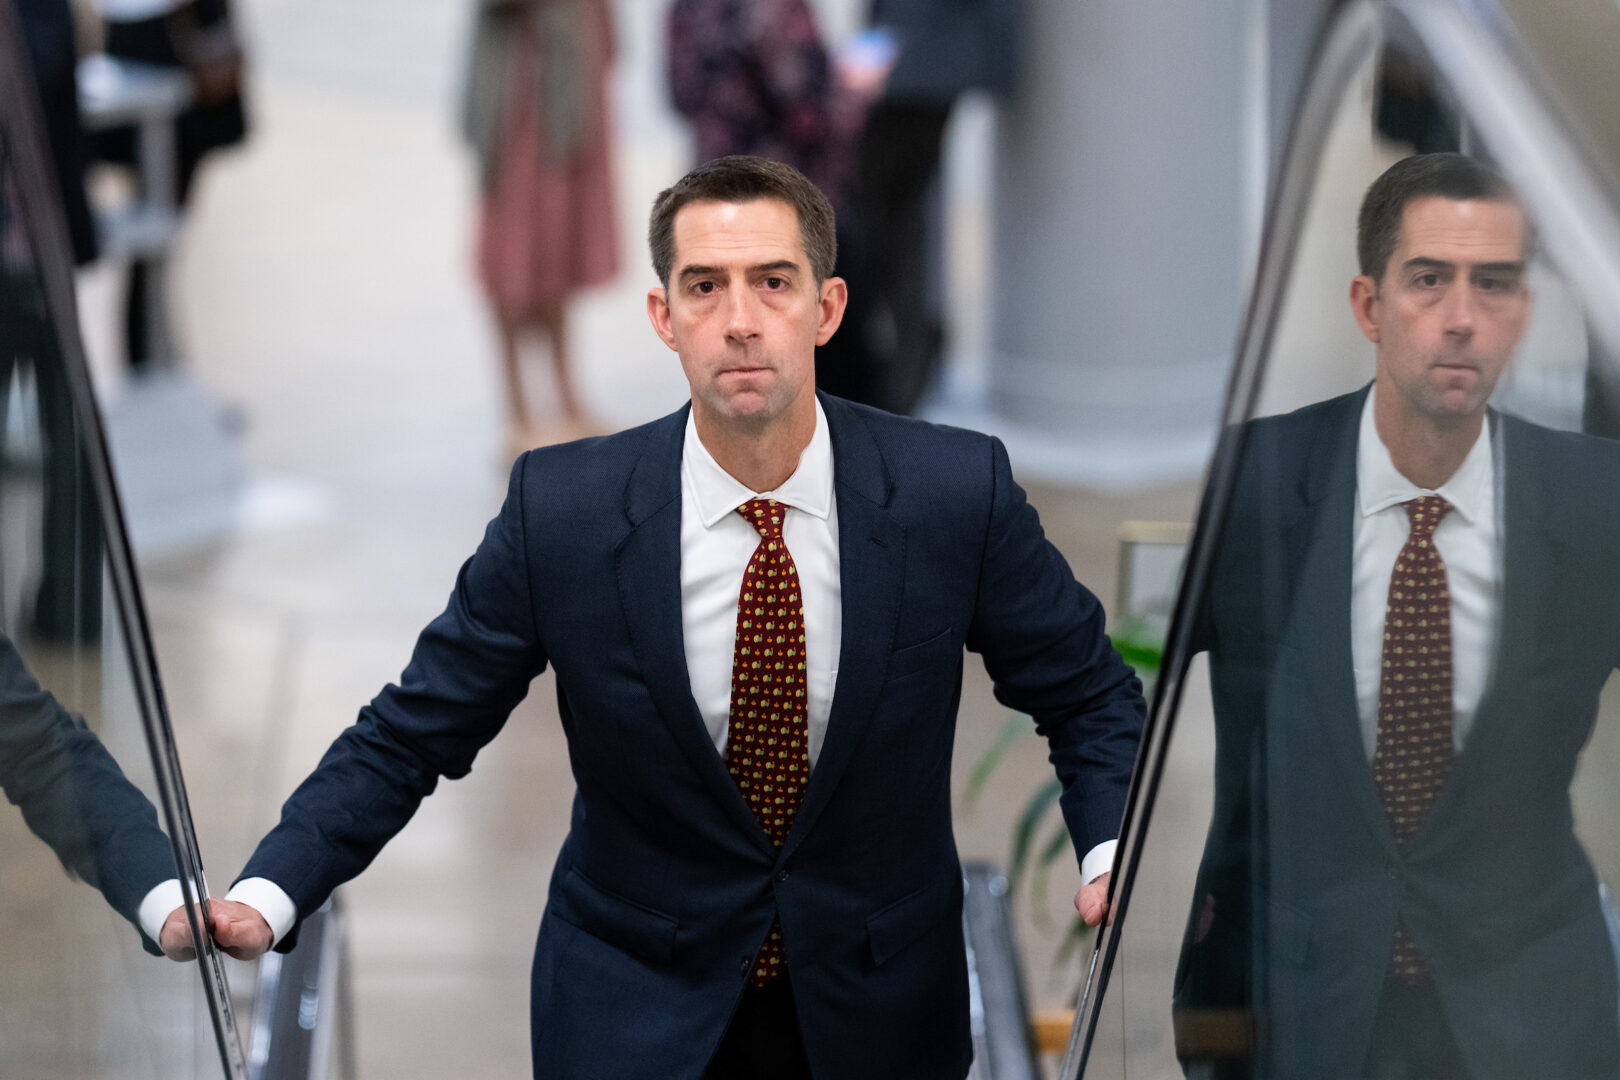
[(781, 875), (747, 962)]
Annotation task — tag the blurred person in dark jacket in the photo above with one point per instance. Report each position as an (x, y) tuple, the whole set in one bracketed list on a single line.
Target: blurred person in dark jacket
[(199, 38), (753, 77), (942, 48), (48, 33)]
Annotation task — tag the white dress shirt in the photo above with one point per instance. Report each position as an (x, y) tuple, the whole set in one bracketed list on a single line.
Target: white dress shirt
[(716, 544), (1469, 541)]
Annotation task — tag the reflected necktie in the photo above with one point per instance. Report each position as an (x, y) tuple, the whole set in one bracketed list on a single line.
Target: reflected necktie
[(1412, 763), (767, 741)]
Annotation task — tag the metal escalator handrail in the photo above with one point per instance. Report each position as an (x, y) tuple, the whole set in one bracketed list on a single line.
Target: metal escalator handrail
[(998, 1010), (302, 1009), (1471, 44)]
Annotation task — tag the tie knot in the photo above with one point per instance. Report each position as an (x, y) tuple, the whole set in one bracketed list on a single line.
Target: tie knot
[(1425, 512), (765, 515)]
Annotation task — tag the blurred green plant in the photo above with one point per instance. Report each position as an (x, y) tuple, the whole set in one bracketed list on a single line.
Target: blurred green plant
[(1037, 842)]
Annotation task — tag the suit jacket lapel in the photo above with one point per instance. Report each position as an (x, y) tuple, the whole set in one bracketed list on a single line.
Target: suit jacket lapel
[(871, 553), (1321, 552), (649, 572), (1532, 546)]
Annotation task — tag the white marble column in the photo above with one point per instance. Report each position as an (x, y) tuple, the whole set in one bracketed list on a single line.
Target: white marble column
[(1120, 222)]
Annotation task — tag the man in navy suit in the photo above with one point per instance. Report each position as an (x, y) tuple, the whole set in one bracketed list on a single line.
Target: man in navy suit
[(1410, 617), (692, 928)]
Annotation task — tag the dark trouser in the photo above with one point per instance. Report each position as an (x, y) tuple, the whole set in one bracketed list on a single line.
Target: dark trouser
[(202, 127), (763, 1041), (897, 162), (1411, 1039)]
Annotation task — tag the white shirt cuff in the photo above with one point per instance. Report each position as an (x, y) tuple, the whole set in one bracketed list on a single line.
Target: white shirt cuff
[(268, 899), (156, 906), (1098, 861)]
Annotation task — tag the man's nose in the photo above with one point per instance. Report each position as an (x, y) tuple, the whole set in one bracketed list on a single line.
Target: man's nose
[(742, 314), (1460, 309)]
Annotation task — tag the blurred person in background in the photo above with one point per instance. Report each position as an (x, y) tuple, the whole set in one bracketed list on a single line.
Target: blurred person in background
[(754, 77), (49, 34), (198, 37), (940, 49), (536, 113)]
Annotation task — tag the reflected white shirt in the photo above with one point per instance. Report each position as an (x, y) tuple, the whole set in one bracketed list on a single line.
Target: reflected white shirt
[(1468, 539)]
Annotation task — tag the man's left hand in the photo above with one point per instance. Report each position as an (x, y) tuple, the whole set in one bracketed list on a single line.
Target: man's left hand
[(1092, 901), (175, 939)]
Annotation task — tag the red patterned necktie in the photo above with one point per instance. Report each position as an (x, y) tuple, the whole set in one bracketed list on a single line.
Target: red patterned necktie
[(768, 739), (1412, 763)]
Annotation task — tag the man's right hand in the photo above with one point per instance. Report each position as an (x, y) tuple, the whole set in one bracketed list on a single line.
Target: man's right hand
[(239, 930)]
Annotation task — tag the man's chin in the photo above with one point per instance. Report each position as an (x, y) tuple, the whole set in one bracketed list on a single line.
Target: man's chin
[(1457, 405)]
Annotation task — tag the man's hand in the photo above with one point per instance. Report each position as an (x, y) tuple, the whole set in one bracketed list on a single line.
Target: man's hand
[(239, 930), (175, 939), (1091, 901)]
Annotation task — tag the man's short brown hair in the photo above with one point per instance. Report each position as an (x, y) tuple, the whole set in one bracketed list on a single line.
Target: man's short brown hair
[(1444, 176), (742, 178)]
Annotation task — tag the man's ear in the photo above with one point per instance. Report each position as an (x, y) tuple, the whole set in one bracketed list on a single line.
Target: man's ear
[(658, 314), (834, 297), (1364, 305)]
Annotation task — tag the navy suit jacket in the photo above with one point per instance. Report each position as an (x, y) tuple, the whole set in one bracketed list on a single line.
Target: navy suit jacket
[(666, 885), (1302, 882)]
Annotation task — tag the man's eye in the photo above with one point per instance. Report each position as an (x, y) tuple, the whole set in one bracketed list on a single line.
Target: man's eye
[(775, 283), (703, 288), (1428, 281)]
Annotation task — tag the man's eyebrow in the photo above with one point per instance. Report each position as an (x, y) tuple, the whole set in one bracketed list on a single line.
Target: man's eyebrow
[(697, 271), (774, 267), (1423, 262)]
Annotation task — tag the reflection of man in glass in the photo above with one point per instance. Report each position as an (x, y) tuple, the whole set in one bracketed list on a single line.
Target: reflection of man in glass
[(1410, 617), (74, 797)]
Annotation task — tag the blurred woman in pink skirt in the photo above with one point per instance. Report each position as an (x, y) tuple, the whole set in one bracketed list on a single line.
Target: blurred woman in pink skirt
[(536, 112)]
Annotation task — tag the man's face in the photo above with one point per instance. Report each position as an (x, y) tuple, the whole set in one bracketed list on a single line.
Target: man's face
[(744, 312), (1451, 307)]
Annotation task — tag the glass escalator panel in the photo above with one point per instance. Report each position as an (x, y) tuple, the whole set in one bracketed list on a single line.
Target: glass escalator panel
[(1376, 831), (96, 841)]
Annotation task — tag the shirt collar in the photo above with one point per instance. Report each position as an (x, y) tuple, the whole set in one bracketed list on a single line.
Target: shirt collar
[(1379, 485), (718, 493)]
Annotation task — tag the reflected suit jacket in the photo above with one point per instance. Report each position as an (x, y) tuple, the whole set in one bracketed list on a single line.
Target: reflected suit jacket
[(666, 885), (1302, 881), (74, 796)]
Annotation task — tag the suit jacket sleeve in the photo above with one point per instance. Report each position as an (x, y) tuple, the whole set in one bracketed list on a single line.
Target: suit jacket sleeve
[(1041, 634), (472, 665), (74, 796)]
